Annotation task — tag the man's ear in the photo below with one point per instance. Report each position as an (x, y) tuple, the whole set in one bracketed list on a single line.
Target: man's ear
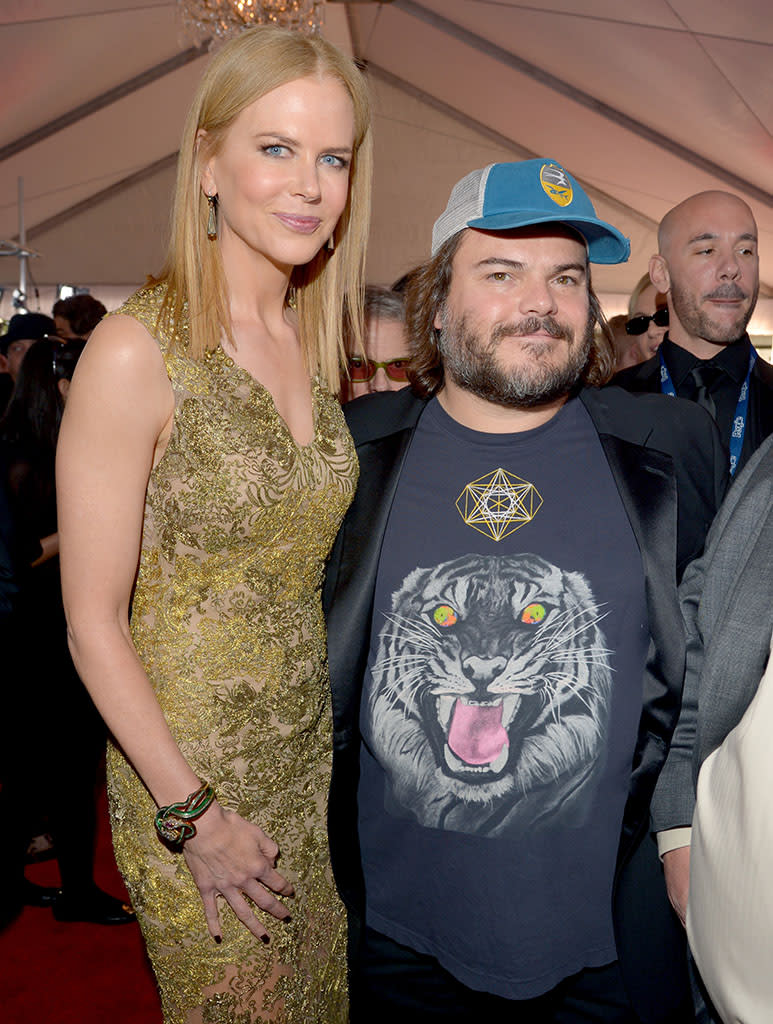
[(437, 323), (3, 364), (659, 274)]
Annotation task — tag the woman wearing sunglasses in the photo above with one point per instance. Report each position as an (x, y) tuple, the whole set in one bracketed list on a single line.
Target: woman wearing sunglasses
[(647, 317)]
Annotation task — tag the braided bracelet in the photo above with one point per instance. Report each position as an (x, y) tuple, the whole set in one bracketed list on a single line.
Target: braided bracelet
[(175, 822)]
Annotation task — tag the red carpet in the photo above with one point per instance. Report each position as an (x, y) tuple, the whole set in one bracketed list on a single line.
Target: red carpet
[(76, 973)]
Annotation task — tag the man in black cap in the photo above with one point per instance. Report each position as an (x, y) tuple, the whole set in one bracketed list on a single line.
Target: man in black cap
[(507, 569), (708, 268), (24, 329)]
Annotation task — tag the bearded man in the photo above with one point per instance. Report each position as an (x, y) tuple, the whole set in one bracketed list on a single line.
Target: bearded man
[(708, 268), (506, 571)]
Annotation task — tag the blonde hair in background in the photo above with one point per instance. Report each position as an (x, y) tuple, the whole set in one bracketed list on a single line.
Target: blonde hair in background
[(328, 290), (641, 285)]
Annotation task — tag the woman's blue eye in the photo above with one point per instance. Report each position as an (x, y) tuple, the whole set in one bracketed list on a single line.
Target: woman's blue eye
[(274, 150), (333, 161)]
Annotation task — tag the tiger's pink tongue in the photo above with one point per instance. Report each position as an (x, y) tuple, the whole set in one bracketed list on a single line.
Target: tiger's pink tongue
[(476, 734)]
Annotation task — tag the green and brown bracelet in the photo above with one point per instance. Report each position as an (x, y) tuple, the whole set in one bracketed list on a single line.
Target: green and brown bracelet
[(174, 823)]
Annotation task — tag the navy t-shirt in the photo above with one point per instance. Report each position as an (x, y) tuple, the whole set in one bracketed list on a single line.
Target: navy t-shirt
[(501, 702)]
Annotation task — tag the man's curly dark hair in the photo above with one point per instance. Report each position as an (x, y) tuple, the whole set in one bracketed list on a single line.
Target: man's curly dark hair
[(427, 292)]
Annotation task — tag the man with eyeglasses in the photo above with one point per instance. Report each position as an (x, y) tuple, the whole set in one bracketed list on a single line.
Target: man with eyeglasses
[(708, 268), (383, 366), (505, 572)]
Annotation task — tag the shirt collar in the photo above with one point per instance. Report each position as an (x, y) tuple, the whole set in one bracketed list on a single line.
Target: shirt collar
[(732, 359)]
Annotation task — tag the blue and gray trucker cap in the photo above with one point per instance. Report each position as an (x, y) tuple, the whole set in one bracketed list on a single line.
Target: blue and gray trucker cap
[(517, 195)]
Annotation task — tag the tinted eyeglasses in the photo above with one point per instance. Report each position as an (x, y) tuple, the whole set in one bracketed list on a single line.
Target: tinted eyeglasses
[(363, 370), (639, 324)]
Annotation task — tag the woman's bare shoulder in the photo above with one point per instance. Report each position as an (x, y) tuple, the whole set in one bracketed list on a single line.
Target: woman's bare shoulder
[(122, 342), (122, 370)]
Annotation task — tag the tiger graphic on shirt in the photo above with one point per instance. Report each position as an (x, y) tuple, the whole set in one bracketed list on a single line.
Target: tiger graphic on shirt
[(490, 696)]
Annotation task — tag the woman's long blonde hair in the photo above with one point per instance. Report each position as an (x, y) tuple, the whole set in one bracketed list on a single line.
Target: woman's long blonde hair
[(328, 290)]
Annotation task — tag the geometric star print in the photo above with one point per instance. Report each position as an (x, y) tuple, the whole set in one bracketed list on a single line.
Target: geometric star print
[(498, 504)]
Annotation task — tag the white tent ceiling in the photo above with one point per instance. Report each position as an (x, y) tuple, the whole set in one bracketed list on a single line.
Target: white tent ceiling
[(645, 102)]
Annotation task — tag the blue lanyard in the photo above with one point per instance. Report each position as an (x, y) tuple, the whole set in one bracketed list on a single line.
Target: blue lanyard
[(739, 419)]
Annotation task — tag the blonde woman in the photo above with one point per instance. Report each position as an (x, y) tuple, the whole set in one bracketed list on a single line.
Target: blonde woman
[(203, 470)]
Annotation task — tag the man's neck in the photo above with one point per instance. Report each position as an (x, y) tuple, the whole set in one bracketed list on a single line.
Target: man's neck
[(478, 413), (699, 347)]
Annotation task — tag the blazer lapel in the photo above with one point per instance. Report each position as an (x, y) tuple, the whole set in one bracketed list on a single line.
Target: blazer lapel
[(647, 486), (352, 573)]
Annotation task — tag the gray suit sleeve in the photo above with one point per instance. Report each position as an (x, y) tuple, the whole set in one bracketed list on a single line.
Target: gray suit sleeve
[(702, 593), (673, 801)]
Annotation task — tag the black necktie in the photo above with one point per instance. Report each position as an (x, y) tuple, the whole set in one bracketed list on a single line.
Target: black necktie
[(705, 377)]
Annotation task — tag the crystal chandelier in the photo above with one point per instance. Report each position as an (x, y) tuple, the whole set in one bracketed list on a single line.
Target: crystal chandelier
[(222, 19)]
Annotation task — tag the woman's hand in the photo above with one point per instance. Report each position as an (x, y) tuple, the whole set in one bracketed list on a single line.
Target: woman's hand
[(49, 547), (230, 856)]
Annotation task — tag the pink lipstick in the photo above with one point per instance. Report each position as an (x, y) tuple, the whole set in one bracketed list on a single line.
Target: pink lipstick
[(295, 222)]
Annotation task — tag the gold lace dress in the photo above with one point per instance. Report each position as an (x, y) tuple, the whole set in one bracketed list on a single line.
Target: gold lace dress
[(227, 621)]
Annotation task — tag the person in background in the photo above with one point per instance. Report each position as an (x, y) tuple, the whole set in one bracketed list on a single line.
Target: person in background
[(77, 316), (24, 329), (647, 317), (627, 349), (204, 467), (6, 387), (384, 364), (707, 266), (53, 738)]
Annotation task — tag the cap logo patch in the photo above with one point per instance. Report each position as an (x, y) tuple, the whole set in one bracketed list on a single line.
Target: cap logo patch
[(556, 184)]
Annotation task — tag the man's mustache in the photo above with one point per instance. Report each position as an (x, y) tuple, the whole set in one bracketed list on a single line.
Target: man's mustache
[(728, 291), (531, 325)]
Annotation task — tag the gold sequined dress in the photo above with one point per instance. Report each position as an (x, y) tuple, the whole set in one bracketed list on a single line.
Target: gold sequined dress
[(227, 621)]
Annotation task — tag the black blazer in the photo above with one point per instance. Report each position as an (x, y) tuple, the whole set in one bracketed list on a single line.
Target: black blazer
[(646, 378), (670, 469)]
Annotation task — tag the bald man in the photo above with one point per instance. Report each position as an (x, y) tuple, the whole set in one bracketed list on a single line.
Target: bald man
[(708, 268)]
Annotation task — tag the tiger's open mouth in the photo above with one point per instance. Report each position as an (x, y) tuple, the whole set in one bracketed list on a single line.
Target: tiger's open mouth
[(476, 731)]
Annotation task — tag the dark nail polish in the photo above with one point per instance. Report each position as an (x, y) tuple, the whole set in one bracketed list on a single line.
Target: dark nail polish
[(218, 939), (265, 939), (287, 920)]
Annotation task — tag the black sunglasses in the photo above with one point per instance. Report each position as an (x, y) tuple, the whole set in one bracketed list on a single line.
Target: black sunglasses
[(639, 324)]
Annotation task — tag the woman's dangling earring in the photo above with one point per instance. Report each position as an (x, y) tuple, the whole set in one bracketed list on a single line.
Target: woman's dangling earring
[(212, 219)]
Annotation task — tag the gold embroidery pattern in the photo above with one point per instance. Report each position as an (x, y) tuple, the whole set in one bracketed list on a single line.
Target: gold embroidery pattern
[(227, 621)]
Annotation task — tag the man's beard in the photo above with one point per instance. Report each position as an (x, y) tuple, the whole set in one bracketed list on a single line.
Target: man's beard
[(698, 324), (473, 365)]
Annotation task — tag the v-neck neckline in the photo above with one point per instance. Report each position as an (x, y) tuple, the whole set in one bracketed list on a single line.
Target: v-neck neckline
[(259, 388)]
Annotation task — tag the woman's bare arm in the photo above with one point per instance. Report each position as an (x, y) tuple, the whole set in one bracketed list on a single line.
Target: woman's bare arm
[(116, 423)]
